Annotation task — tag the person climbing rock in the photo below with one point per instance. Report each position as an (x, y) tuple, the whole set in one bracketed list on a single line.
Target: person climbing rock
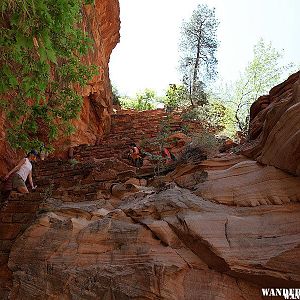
[(166, 153), (21, 172), (135, 155)]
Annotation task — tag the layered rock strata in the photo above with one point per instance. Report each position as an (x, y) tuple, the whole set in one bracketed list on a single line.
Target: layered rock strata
[(95, 231), (98, 228), (235, 180), (275, 127)]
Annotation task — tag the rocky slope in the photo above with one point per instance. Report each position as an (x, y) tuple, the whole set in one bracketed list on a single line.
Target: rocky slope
[(98, 228), (102, 22), (275, 127)]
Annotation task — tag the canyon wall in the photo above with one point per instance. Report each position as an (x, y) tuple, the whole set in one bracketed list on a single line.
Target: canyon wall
[(99, 228), (101, 20), (275, 127)]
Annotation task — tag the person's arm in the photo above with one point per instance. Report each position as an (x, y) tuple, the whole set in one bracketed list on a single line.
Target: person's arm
[(16, 168), (30, 180)]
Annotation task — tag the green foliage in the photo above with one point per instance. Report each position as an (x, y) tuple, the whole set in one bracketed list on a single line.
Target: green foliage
[(198, 47), (160, 141), (41, 69), (214, 116), (115, 96), (176, 96), (143, 101), (48, 192), (164, 132), (262, 73), (73, 162), (207, 141), (185, 129)]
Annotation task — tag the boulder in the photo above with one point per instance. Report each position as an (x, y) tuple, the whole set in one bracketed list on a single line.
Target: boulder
[(247, 183)]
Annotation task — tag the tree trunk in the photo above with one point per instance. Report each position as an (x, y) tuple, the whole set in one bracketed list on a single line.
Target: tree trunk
[(196, 66)]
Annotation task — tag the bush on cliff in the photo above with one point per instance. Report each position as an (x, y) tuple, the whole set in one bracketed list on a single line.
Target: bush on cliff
[(213, 115), (41, 68)]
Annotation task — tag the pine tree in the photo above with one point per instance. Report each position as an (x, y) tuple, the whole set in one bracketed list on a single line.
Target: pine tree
[(198, 47)]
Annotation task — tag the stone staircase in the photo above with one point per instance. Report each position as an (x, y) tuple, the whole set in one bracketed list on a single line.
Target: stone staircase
[(88, 177), (65, 183), (15, 216), (133, 126)]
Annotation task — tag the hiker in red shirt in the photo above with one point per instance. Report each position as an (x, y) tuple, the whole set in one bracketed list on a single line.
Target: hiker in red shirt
[(135, 155), (168, 155)]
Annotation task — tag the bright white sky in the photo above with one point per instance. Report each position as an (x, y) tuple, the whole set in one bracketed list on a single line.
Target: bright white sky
[(147, 55)]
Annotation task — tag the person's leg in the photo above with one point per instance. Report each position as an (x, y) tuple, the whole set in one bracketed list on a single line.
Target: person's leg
[(22, 189), (139, 162), (19, 184)]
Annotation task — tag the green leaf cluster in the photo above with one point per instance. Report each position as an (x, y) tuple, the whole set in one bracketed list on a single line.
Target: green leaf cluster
[(263, 72), (144, 100), (42, 71), (215, 116), (176, 96)]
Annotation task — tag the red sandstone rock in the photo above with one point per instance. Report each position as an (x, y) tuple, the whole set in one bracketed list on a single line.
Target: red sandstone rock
[(227, 145), (236, 180), (96, 236), (93, 231), (275, 127), (169, 245), (248, 183), (102, 21), (114, 257)]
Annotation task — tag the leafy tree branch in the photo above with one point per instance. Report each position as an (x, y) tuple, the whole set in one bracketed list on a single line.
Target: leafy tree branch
[(41, 69)]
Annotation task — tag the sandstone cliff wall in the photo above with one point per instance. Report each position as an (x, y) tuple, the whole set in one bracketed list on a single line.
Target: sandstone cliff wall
[(100, 228), (275, 127), (102, 22)]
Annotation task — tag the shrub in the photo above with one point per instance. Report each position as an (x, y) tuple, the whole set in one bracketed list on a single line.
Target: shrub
[(201, 146), (142, 101), (212, 115), (41, 69)]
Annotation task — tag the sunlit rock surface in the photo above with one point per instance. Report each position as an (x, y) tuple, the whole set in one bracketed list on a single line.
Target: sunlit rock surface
[(95, 230), (171, 244), (275, 127), (236, 180)]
